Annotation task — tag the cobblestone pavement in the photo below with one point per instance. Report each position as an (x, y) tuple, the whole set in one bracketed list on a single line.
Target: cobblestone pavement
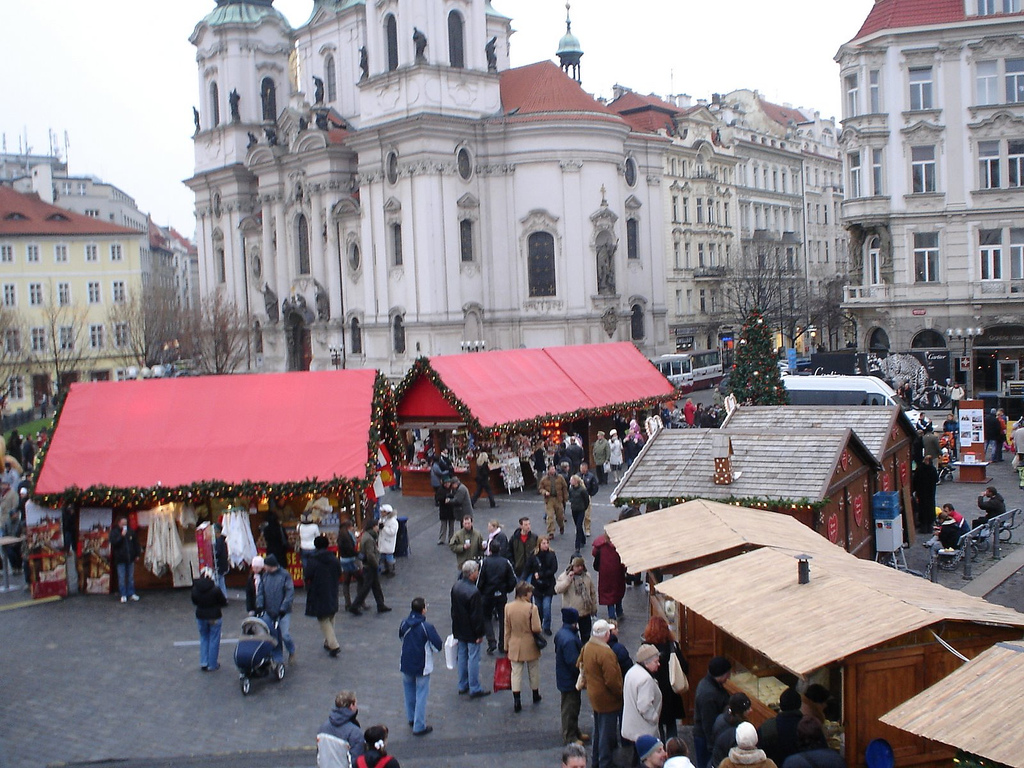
[(88, 680)]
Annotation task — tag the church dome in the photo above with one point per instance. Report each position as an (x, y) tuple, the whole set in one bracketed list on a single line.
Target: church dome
[(569, 44), (244, 12)]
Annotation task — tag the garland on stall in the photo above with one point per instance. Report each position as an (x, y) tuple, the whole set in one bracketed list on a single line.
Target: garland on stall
[(422, 367), (967, 760), (383, 429), (751, 502)]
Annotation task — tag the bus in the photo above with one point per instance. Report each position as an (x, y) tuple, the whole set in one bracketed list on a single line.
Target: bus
[(689, 371)]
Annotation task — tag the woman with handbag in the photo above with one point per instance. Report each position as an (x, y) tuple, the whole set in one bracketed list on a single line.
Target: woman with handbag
[(522, 628), (658, 634)]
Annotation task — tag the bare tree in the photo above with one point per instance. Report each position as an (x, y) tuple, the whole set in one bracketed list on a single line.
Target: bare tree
[(766, 277), (826, 312), (65, 348), (218, 337), (148, 329), (12, 351)]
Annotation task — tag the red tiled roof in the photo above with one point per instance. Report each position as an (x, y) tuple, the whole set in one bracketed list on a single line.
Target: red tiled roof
[(543, 88), (782, 115), (644, 113), (27, 214), (895, 14)]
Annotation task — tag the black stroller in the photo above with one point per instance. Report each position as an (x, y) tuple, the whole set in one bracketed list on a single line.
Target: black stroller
[(254, 652)]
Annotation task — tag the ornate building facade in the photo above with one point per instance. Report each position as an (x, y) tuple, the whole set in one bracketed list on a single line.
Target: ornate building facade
[(378, 184)]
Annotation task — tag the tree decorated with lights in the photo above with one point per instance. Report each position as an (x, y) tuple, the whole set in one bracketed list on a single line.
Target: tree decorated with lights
[(755, 378)]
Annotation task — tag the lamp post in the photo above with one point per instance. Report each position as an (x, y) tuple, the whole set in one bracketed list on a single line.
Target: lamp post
[(335, 357), (966, 335)]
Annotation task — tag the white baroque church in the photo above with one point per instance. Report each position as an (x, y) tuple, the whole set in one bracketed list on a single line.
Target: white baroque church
[(379, 184)]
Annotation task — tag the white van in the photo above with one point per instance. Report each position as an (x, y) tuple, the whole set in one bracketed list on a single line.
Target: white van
[(834, 389)]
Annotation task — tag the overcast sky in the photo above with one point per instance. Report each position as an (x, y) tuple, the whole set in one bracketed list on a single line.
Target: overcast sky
[(119, 76)]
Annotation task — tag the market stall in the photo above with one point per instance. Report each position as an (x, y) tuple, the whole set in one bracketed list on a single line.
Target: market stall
[(513, 401), (821, 477), (173, 454), (885, 431)]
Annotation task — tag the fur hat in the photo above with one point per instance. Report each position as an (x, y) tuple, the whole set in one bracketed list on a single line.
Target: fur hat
[(578, 561), (645, 745), (718, 666), (645, 653), (570, 616), (746, 736), (600, 627), (387, 509)]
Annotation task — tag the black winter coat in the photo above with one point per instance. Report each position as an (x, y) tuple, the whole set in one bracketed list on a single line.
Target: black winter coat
[(467, 611), (497, 578), (546, 565), (124, 548), (207, 598), (323, 571)]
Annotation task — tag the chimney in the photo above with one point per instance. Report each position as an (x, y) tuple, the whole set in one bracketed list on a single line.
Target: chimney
[(42, 182), (721, 451), (803, 569)]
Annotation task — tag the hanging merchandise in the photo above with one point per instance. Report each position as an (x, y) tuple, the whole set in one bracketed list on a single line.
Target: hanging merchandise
[(163, 546), (204, 543), (94, 550), (512, 474), (236, 528), (47, 562)]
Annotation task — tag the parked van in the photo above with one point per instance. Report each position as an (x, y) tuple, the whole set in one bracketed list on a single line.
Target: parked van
[(835, 389)]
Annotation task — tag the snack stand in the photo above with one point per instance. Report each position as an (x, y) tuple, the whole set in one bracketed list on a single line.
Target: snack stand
[(511, 401), (867, 633), (171, 454)]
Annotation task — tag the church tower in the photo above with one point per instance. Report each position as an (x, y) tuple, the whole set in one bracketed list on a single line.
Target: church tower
[(569, 51)]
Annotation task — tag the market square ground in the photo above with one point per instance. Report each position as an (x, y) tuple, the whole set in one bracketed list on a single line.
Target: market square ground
[(87, 680)]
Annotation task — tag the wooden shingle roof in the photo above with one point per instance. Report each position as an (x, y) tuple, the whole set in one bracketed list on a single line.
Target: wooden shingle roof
[(872, 423), (678, 464), (968, 709)]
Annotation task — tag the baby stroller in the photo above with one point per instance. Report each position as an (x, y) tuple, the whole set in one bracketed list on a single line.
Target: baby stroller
[(254, 652), (945, 466)]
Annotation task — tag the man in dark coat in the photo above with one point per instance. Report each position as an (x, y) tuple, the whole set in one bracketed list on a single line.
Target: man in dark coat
[(995, 436), (926, 479), (275, 596), (567, 653), (992, 502), (777, 736), (496, 580), (342, 724), (468, 629), (709, 701), (221, 560), (524, 546), (124, 551), (323, 572)]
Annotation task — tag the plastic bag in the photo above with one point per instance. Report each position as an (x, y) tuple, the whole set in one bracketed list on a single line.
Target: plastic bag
[(502, 674), (451, 652)]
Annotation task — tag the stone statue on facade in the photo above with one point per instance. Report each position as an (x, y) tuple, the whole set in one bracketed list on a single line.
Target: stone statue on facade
[(195, 118), (233, 99), (318, 94), (253, 141), (270, 303), (323, 304), (420, 41), (364, 64), (492, 57)]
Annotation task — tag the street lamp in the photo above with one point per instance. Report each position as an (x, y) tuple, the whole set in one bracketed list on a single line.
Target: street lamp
[(335, 357), (814, 335), (966, 335)]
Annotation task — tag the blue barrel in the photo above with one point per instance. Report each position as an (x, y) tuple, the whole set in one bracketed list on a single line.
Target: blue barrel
[(402, 542), (885, 505)]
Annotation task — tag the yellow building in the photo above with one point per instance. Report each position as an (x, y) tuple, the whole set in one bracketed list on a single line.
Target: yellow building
[(62, 277)]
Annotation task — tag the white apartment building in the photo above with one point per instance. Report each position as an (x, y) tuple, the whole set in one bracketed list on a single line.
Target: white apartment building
[(933, 143)]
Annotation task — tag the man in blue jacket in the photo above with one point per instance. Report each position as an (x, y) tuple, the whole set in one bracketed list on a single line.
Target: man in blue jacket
[(342, 724), (417, 664), (567, 651), (275, 596)]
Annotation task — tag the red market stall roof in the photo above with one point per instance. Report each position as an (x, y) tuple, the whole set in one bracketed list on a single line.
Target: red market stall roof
[(523, 387), (212, 436)]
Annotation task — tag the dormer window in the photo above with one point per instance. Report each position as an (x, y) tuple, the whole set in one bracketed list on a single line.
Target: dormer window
[(56, 217), (15, 216)]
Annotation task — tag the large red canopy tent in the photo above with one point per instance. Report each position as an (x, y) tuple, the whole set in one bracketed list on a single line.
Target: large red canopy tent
[(132, 443), (517, 389)]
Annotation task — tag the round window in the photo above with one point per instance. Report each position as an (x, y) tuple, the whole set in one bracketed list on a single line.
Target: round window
[(353, 256), (256, 264), (631, 171), (392, 167), (465, 163)]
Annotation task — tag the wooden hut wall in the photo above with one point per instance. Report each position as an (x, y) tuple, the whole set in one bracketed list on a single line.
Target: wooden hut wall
[(839, 520), (895, 472)]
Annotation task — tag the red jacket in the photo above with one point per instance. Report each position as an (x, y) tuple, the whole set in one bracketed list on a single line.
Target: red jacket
[(611, 573)]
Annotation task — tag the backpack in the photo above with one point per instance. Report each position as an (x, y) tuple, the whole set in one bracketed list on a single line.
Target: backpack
[(361, 762)]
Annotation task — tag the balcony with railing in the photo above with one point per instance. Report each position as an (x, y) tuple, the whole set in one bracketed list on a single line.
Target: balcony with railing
[(853, 294), (713, 271)]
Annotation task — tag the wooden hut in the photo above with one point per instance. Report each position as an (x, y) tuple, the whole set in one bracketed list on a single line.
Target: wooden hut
[(822, 477), (968, 709)]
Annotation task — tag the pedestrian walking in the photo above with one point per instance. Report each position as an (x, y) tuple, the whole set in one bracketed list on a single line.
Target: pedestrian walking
[(466, 543), (308, 530), (458, 497), (611, 576), (497, 579), (524, 546), (483, 478), (348, 558), (445, 511), (221, 562), (420, 641), (208, 600), (275, 596), (370, 556), (658, 634), (522, 624), (376, 754), (709, 701), (345, 742), (274, 537), (616, 454), (494, 533), (124, 551), (579, 500), (577, 590), (641, 697), (602, 453), (593, 487), (555, 491), (926, 480), (323, 572), (252, 585), (567, 654), (468, 629), (387, 538), (603, 680), (544, 570)]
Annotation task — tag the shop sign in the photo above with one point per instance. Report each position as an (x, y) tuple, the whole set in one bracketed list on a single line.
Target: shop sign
[(833, 528), (858, 510), (919, 312), (1001, 336)]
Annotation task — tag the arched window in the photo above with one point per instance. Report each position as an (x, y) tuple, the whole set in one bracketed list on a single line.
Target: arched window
[(303, 235), (396, 245), (214, 105), (466, 239), (541, 264), (268, 97), (331, 79), (632, 239), (398, 334), (456, 48), (391, 41), (879, 341), (356, 337), (874, 261), (928, 339), (636, 323)]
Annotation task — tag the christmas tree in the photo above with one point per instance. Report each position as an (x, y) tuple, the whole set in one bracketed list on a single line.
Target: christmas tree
[(755, 378)]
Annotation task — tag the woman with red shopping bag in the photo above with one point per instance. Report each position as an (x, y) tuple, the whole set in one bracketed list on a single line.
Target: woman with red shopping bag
[(522, 629)]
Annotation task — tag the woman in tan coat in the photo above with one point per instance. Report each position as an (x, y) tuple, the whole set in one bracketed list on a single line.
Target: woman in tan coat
[(522, 622)]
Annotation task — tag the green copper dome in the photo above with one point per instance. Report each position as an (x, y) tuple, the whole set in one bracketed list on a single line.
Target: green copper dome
[(569, 44), (244, 12)]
